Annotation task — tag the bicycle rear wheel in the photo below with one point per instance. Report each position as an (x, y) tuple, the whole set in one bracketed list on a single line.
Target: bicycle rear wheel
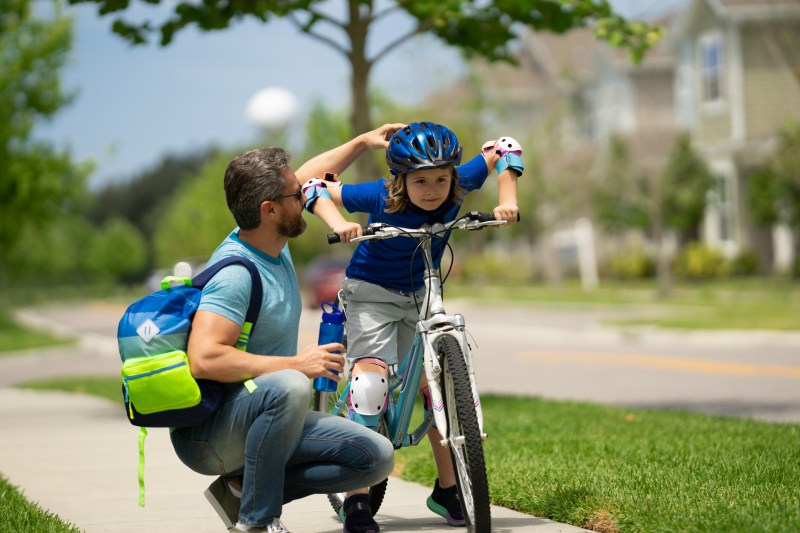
[(466, 445), (325, 402)]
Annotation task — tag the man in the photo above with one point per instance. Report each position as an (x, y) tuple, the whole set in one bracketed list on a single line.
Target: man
[(265, 444)]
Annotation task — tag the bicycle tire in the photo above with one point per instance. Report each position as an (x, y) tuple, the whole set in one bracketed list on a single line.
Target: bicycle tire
[(466, 444), (325, 402)]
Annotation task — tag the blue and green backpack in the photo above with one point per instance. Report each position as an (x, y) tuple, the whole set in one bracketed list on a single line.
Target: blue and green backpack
[(157, 384)]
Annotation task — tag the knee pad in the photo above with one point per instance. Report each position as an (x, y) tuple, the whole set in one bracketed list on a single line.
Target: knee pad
[(369, 393)]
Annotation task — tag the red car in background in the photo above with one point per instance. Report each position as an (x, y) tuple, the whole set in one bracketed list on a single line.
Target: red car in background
[(322, 279)]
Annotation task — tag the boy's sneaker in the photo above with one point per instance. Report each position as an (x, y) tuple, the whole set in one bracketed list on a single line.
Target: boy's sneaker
[(358, 515), (444, 502), (224, 502), (276, 526)]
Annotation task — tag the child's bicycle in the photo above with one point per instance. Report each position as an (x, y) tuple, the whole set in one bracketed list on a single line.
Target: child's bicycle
[(441, 349)]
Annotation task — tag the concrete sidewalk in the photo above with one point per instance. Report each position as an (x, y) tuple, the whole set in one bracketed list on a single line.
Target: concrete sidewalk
[(76, 456)]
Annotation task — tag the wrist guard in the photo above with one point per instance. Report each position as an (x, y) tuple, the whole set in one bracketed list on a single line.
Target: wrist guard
[(510, 152), (313, 189)]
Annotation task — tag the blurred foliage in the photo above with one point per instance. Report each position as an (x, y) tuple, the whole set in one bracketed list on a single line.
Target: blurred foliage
[(633, 263), (698, 261), (685, 181), (39, 182), (774, 190), (144, 197), (197, 219), (621, 197)]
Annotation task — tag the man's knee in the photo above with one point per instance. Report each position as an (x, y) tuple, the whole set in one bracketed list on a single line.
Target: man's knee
[(290, 387)]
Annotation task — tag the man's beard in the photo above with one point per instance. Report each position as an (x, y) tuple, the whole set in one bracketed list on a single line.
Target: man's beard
[(294, 227)]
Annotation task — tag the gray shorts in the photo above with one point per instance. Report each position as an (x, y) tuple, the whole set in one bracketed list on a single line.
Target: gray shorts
[(380, 322)]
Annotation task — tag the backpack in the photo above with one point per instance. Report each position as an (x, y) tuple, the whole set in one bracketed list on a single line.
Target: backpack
[(157, 385)]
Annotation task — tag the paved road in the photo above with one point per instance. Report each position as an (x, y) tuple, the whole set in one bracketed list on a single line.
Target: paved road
[(565, 353)]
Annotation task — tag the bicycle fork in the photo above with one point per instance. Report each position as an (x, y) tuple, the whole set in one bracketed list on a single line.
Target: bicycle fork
[(432, 330)]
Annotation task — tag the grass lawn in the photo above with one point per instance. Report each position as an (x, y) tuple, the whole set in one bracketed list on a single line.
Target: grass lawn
[(613, 469), (17, 514), (758, 303), (14, 337)]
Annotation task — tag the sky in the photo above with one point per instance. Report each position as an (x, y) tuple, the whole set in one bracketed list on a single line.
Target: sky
[(135, 104)]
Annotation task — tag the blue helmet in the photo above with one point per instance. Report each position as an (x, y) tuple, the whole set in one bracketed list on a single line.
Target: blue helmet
[(422, 145)]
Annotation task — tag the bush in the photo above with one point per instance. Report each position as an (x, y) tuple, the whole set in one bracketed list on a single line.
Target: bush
[(634, 263), (745, 264), (701, 261)]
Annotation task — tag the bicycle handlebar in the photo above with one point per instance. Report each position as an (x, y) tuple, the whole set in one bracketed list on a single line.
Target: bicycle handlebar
[(474, 220)]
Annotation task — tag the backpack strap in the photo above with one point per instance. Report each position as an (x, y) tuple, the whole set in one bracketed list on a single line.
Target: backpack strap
[(253, 309), (256, 293)]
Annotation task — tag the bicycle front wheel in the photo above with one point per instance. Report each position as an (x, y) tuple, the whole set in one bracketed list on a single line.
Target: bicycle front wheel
[(325, 402), (466, 444)]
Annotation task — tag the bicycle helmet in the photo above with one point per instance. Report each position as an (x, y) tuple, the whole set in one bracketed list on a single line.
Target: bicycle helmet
[(422, 145)]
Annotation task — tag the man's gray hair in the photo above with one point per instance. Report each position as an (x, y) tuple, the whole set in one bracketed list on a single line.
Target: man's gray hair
[(251, 178)]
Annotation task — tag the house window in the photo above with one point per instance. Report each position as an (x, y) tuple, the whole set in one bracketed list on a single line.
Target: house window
[(711, 58)]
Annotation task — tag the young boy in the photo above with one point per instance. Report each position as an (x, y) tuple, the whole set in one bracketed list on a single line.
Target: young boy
[(380, 292)]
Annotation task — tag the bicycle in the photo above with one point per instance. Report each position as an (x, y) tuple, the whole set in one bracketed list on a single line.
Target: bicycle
[(440, 348)]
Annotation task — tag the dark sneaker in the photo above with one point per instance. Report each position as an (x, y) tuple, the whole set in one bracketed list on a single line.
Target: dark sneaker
[(444, 502), (224, 502), (358, 515)]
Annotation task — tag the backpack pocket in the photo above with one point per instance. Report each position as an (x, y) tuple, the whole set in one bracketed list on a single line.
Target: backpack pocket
[(160, 383)]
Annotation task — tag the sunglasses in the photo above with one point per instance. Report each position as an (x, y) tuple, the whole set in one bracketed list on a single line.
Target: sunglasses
[(298, 194)]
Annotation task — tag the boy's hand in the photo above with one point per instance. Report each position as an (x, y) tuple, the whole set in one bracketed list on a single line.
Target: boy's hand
[(348, 231), (507, 212)]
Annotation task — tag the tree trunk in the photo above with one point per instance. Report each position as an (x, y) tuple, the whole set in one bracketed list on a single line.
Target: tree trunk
[(361, 113), (657, 227)]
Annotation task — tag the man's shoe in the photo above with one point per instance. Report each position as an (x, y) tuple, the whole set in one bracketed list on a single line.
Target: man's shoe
[(444, 502), (358, 515), (276, 526), (224, 502)]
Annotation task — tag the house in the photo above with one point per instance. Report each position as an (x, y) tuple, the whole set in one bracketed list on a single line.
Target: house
[(737, 81), (728, 72)]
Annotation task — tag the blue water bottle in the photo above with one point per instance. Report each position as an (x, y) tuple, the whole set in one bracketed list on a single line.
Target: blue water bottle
[(331, 329)]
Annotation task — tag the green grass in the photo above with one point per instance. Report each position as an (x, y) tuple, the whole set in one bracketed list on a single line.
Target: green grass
[(17, 514), (763, 303), (105, 387), (14, 337), (616, 469)]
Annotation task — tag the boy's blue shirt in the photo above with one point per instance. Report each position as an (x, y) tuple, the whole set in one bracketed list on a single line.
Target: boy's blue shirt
[(386, 262)]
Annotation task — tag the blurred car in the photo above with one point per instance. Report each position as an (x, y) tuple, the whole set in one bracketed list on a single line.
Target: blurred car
[(322, 279)]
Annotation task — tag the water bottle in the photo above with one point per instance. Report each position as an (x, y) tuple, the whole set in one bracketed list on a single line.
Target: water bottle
[(331, 329)]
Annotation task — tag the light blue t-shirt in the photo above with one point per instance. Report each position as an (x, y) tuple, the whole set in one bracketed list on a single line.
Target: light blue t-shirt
[(228, 295)]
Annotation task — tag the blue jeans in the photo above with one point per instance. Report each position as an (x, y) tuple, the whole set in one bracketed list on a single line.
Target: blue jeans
[(283, 450)]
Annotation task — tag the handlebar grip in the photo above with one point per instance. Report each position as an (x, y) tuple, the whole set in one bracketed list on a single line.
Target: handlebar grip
[(484, 217), (333, 238)]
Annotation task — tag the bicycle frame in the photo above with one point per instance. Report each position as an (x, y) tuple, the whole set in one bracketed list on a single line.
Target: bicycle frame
[(433, 324)]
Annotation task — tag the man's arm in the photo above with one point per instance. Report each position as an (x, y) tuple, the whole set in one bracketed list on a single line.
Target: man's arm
[(338, 159), (212, 355)]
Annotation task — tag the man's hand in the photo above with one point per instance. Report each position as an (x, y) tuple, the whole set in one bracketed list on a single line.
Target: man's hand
[(379, 137), (507, 212), (318, 361), (348, 231)]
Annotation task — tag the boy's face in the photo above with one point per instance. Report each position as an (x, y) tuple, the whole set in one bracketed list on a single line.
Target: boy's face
[(430, 187)]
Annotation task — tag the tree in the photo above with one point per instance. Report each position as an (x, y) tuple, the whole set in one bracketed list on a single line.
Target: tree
[(639, 197), (478, 28), (37, 180), (775, 190)]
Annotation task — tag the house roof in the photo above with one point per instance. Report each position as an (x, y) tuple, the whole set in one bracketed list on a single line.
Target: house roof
[(738, 11)]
